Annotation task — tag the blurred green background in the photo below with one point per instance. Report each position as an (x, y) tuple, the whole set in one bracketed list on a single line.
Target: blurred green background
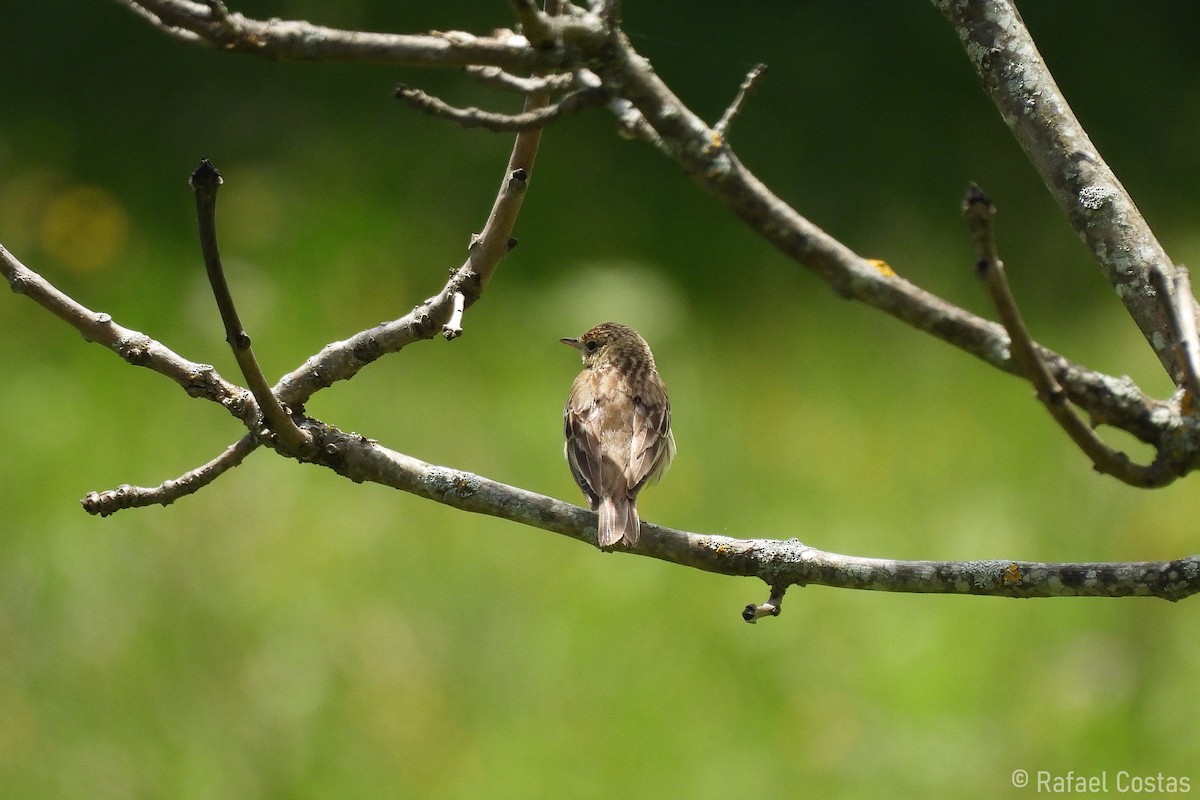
[(286, 633)]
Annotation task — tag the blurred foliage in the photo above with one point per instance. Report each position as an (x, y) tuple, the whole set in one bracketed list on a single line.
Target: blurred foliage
[(288, 634)]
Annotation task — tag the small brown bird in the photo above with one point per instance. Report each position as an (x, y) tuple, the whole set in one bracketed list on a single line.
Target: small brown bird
[(618, 427)]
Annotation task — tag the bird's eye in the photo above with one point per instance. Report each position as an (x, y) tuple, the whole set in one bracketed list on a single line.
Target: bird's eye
[(591, 345)]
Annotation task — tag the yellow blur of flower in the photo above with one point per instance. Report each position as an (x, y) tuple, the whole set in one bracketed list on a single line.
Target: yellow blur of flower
[(84, 227)]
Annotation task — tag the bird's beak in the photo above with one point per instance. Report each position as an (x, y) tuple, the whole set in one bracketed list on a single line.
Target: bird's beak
[(571, 343)]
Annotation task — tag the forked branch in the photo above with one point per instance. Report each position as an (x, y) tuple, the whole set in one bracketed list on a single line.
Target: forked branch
[(1012, 72), (338, 361), (980, 214), (494, 121)]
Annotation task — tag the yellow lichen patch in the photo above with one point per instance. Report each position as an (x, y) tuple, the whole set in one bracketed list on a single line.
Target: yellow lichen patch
[(882, 267), (1011, 575)]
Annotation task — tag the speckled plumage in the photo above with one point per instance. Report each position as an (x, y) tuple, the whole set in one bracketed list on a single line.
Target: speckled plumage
[(618, 427)]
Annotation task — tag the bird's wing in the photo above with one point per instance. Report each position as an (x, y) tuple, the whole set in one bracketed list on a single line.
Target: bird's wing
[(651, 446), (583, 446)]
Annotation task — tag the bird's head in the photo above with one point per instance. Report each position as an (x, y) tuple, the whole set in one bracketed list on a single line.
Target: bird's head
[(612, 344)]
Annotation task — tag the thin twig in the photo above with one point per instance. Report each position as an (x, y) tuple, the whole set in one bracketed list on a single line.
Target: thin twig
[(496, 78), (980, 214), (126, 496), (454, 326), (172, 30), (772, 608), (1175, 291), (496, 239), (472, 117), (304, 41), (205, 182), (745, 91)]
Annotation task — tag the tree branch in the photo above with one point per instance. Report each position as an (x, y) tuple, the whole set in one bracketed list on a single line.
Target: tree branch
[(496, 78), (528, 120), (745, 91), (495, 241), (980, 214), (205, 182), (126, 496), (1096, 204), (780, 563), (134, 347), (303, 41), (175, 31)]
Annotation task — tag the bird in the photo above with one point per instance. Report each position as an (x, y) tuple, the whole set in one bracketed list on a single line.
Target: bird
[(617, 423)]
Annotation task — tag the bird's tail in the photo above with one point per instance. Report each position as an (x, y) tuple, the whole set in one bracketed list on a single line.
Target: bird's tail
[(618, 521)]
